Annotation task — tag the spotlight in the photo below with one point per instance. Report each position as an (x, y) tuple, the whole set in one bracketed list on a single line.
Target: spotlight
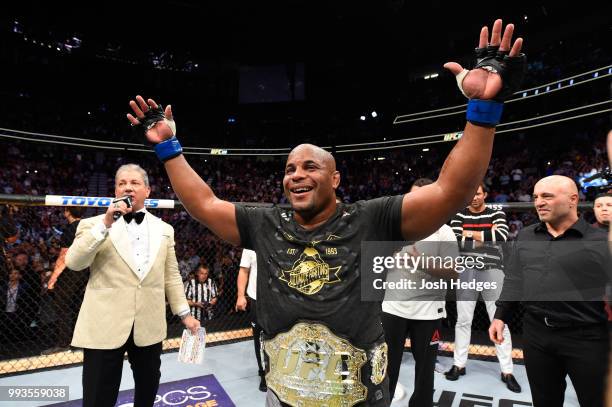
[(362, 118), (374, 114)]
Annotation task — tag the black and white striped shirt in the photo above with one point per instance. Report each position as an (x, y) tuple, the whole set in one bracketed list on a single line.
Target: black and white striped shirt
[(484, 221), (201, 292)]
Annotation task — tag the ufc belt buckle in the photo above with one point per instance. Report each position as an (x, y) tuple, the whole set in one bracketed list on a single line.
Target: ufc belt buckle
[(312, 367)]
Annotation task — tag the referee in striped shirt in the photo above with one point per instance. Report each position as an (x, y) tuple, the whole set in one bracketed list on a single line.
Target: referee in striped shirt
[(479, 231), (201, 293)]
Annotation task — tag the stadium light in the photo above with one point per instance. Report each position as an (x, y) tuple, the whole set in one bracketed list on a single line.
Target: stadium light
[(362, 118), (374, 114)]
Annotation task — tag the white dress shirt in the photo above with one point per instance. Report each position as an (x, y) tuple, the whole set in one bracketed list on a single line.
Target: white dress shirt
[(139, 239)]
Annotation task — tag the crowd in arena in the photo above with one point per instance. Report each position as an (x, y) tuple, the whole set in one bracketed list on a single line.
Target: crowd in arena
[(39, 169), (510, 178)]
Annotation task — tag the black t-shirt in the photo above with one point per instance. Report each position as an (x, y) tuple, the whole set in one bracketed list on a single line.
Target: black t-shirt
[(69, 234), (315, 275)]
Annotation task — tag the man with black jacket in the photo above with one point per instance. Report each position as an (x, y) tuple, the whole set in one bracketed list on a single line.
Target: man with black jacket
[(558, 268)]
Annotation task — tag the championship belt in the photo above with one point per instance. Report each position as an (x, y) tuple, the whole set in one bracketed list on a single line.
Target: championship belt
[(312, 367)]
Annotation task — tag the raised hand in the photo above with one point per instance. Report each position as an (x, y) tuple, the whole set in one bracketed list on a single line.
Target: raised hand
[(482, 83), (158, 132)]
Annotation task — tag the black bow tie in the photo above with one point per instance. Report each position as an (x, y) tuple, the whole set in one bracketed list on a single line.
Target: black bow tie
[(139, 216)]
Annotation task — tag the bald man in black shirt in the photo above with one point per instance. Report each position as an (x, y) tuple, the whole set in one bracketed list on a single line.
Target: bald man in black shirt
[(559, 269)]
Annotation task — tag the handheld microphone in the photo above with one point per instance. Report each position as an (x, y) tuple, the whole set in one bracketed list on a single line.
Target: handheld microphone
[(127, 201)]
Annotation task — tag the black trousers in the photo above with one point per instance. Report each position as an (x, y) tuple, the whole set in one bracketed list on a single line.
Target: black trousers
[(256, 334), (102, 370), (553, 353), (421, 332)]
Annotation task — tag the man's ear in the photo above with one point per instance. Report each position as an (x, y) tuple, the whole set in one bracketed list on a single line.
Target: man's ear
[(336, 179)]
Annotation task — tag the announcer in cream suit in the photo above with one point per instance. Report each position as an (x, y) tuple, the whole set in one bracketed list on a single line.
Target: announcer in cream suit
[(133, 271)]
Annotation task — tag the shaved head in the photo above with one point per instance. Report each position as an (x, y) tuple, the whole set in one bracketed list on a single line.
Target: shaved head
[(310, 183), (316, 152), (556, 200), (559, 182)]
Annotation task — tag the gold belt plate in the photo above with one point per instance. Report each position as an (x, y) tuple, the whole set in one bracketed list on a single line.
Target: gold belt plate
[(312, 367)]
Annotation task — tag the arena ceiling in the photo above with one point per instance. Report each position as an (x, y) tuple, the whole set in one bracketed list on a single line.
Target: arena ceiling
[(277, 31)]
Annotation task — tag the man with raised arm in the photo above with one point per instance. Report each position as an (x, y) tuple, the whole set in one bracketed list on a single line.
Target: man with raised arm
[(323, 344)]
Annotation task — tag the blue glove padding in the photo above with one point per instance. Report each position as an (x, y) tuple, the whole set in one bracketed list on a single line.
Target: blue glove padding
[(168, 149), (484, 112)]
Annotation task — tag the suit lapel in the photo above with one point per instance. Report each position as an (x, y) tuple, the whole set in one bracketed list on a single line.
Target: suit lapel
[(155, 226), (121, 241)]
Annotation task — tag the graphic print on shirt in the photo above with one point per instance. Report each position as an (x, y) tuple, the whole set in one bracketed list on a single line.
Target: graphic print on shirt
[(310, 272)]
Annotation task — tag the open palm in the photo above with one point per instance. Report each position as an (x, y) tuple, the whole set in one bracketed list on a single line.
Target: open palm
[(480, 83), (162, 130)]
